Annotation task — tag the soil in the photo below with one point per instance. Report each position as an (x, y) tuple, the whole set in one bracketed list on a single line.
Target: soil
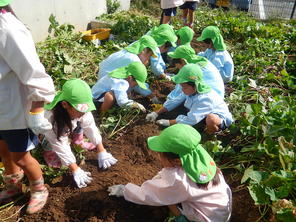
[(136, 163)]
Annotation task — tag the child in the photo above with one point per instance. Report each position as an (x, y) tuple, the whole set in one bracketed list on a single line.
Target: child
[(190, 183), (24, 88), (71, 106), (165, 37), (169, 9), (188, 12), (185, 54), (185, 36), (217, 52), (139, 51), (204, 104), (114, 87)]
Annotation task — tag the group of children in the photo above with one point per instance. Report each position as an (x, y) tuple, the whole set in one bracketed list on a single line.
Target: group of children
[(199, 190)]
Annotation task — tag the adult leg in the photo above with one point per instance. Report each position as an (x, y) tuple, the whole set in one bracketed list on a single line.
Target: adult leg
[(213, 122)]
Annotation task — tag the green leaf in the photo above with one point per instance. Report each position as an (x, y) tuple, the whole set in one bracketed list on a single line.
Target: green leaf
[(247, 173), (258, 194), (271, 193)]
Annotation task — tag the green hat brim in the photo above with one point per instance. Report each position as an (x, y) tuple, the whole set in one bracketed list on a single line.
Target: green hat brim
[(173, 55), (4, 2), (154, 143), (201, 38), (142, 84), (59, 97)]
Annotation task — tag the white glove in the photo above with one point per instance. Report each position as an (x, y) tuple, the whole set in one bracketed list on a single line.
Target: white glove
[(106, 160), (167, 77), (116, 190), (38, 124), (163, 122), (82, 178), (137, 106), (151, 117)]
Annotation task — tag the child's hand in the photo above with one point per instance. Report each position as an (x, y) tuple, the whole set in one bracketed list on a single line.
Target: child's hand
[(151, 117), (163, 122), (137, 106), (37, 123), (82, 178), (116, 190), (106, 160)]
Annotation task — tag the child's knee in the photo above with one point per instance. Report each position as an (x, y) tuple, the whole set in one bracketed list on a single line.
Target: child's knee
[(109, 96)]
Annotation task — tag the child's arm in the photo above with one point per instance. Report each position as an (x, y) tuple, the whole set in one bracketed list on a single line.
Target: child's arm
[(91, 131), (120, 92), (169, 189), (198, 111), (157, 65)]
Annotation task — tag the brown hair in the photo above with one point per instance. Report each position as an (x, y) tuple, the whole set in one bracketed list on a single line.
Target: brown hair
[(172, 157), (61, 120)]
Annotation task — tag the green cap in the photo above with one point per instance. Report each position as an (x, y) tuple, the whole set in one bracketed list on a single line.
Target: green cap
[(164, 33), (184, 140), (77, 93), (188, 53), (145, 41), (213, 33), (135, 69), (185, 34), (4, 2), (192, 73)]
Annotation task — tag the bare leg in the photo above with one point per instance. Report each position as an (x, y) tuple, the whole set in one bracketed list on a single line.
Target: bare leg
[(109, 100), (191, 18), (185, 14), (9, 165), (166, 19), (175, 211), (28, 163), (213, 122)]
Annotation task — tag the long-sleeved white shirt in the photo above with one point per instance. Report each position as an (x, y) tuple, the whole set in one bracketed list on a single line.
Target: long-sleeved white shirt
[(172, 186), (62, 147), (22, 77)]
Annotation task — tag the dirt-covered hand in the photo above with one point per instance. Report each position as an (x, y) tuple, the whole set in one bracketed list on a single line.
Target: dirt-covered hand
[(106, 160), (137, 106), (37, 123), (151, 117), (82, 178), (116, 190), (163, 122), (167, 77)]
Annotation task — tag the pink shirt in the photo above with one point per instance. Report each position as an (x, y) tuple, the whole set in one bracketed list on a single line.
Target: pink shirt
[(172, 186)]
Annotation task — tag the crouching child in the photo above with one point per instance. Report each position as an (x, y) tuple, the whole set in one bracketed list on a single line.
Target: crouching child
[(190, 183)]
